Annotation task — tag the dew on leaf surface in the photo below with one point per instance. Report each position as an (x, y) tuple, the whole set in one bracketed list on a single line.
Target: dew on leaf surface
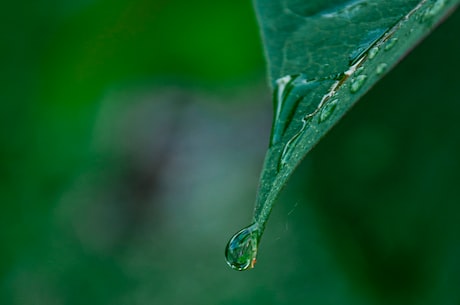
[(381, 68), (327, 110), (357, 83)]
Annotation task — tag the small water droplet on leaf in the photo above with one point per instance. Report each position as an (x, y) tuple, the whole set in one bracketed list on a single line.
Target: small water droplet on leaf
[(373, 51), (290, 93), (433, 10), (357, 83), (390, 43), (291, 144), (327, 110), (381, 68)]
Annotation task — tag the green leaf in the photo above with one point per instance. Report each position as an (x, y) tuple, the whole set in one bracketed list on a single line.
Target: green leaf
[(323, 56)]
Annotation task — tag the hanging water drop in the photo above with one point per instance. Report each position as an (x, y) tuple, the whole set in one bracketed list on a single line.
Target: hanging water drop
[(327, 110), (241, 250), (357, 83)]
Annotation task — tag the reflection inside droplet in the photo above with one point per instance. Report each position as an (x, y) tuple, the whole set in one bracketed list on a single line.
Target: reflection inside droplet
[(241, 250)]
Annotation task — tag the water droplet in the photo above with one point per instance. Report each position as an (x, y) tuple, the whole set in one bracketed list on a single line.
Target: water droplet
[(241, 250), (372, 52), (390, 43), (327, 110), (381, 68), (357, 83), (291, 144), (293, 93), (433, 10), (370, 39), (282, 105), (297, 106)]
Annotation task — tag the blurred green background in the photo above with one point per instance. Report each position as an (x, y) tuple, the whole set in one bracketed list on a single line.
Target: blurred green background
[(132, 136)]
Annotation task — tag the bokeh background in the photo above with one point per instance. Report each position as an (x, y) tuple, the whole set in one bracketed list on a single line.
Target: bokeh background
[(132, 135)]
